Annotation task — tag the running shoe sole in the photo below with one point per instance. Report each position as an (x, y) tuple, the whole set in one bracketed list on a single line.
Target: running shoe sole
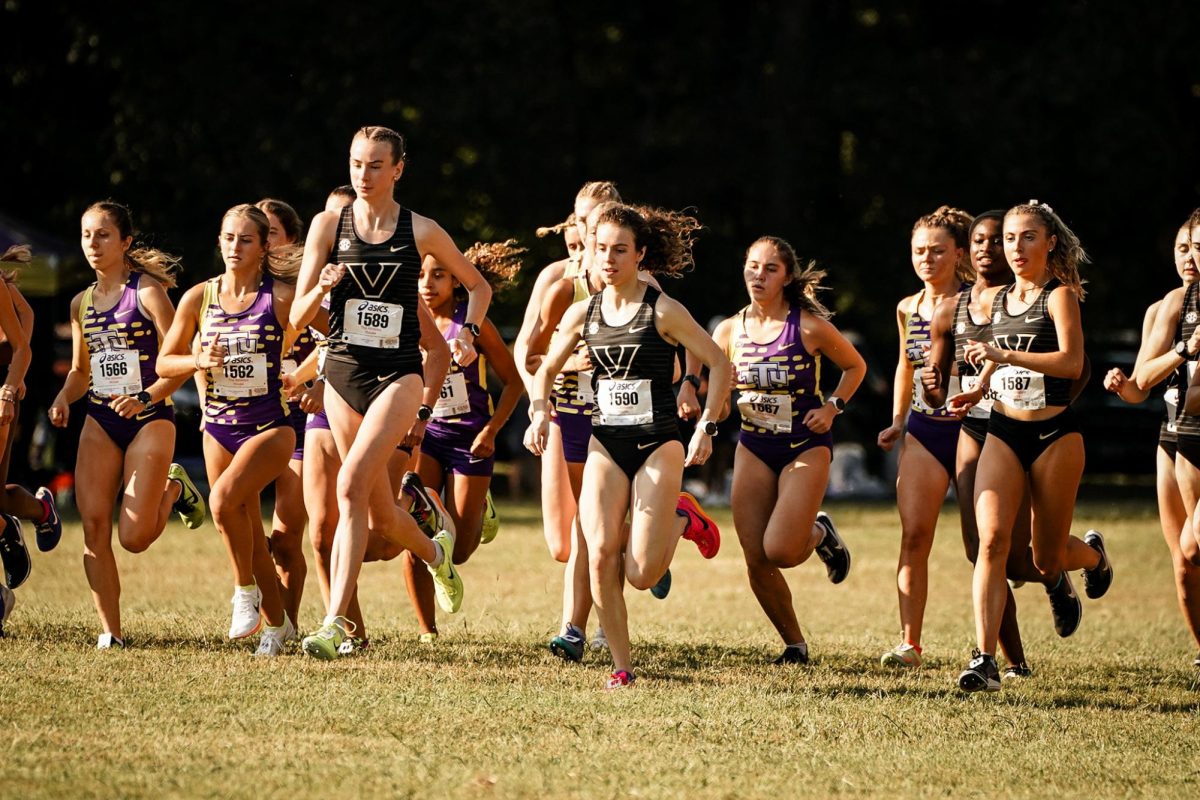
[(708, 538), (1096, 582), (491, 521), (663, 587), (49, 532), (14, 552), (833, 554), (566, 649), (447, 583), (190, 506)]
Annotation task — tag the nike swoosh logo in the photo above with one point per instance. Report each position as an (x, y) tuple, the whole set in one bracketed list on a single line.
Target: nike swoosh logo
[(144, 415), (384, 378), (474, 460), (637, 330), (1047, 435), (398, 249), (264, 426), (123, 314), (647, 444), (1034, 319), (794, 445)]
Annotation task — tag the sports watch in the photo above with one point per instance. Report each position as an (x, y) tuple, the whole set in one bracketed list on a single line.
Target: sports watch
[(472, 327), (424, 413), (708, 428), (839, 405), (1181, 348), (142, 397), (693, 380)]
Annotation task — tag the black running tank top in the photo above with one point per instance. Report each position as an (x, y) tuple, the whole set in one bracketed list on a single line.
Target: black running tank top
[(1031, 331), (965, 330), (373, 310), (1189, 317), (632, 370)]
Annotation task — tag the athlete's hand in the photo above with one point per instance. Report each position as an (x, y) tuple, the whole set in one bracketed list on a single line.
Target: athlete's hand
[(412, 439), (961, 403), (978, 352), (578, 361), (888, 437), (687, 401), (60, 412), (214, 355), (331, 275), (312, 399), (931, 377), (820, 420), (1115, 380), (8, 403), (462, 351), (699, 448), (126, 406), (536, 433), (484, 445)]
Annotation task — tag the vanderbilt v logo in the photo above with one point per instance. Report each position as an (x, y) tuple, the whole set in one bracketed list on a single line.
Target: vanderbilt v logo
[(373, 279), (615, 358)]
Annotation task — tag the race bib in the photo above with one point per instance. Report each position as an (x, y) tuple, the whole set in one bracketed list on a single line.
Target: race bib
[(982, 409), (772, 412), (371, 323), (242, 375), (584, 392), (1019, 388), (1171, 399), (116, 372), (453, 401), (624, 402), (288, 365)]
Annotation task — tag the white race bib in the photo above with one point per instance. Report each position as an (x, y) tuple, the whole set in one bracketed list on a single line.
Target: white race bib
[(242, 375), (1019, 388), (772, 412), (982, 409), (584, 392), (1171, 399), (116, 372), (371, 323), (453, 401), (624, 402)]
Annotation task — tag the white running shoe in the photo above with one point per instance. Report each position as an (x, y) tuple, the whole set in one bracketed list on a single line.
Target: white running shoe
[(599, 641), (247, 620), (272, 640), (107, 641)]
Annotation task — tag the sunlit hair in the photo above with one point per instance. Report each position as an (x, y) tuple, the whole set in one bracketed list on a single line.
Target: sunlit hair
[(346, 192), (139, 257), (806, 278), (17, 254), (598, 190), (282, 262), (1068, 253), (559, 227), (498, 262), (957, 223), (1194, 219), (293, 226), (378, 133), (666, 235)]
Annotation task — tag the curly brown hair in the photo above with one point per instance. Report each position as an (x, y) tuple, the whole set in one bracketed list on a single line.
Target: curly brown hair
[(667, 236)]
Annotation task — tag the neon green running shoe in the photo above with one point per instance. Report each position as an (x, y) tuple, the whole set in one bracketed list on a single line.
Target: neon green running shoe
[(324, 643), (491, 522), (190, 504), (428, 637), (447, 583)]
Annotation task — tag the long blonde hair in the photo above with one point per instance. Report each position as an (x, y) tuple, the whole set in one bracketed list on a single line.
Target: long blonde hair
[(281, 262)]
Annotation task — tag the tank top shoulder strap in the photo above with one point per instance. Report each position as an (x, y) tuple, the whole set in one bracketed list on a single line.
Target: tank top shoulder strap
[(651, 296), (1044, 298), (85, 303), (212, 292)]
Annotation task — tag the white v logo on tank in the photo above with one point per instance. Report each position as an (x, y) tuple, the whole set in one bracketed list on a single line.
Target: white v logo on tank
[(373, 279), (617, 359)]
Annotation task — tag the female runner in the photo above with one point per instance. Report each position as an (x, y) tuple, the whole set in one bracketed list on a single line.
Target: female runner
[(118, 325), (1171, 512), (241, 317), (781, 466), (16, 503), (367, 259), (930, 436), (286, 541), (1033, 436), (636, 457), (458, 448)]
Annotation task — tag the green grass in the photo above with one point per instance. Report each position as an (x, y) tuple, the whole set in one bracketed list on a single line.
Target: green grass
[(488, 712)]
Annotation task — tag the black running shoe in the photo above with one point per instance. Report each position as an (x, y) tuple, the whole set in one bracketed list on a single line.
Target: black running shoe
[(49, 531), (1065, 605), (14, 552), (793, 654), (832, 550), (424, 510), (1021, 670), (663, 587), (1096, 581), (980, 675)]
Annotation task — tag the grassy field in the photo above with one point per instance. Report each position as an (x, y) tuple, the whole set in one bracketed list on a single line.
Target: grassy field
[(488, 712)]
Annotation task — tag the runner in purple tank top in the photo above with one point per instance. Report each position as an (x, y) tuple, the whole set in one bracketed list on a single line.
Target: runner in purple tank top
[(458, 449), (242, 320), (781, 467), (129, 434)]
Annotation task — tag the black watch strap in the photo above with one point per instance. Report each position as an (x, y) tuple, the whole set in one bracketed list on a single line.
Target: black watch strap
[(142, 397), (693, 380), (424, 413), (472, 327)]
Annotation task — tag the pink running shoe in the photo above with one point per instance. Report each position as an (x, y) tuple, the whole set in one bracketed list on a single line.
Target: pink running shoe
[(620, 680), (700, 528)]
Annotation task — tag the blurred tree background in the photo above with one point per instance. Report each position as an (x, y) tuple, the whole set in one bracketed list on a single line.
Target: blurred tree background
[(834, 125)]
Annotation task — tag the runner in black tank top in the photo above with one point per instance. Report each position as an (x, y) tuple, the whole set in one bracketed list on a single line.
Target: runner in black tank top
[(375, 332), (632, 415), (1037, 345), (1162, 330)]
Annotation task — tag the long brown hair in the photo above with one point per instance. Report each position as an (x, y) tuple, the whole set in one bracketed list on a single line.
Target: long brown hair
[(142, 258), (806, 278), (666, 235), (1068, 253)]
